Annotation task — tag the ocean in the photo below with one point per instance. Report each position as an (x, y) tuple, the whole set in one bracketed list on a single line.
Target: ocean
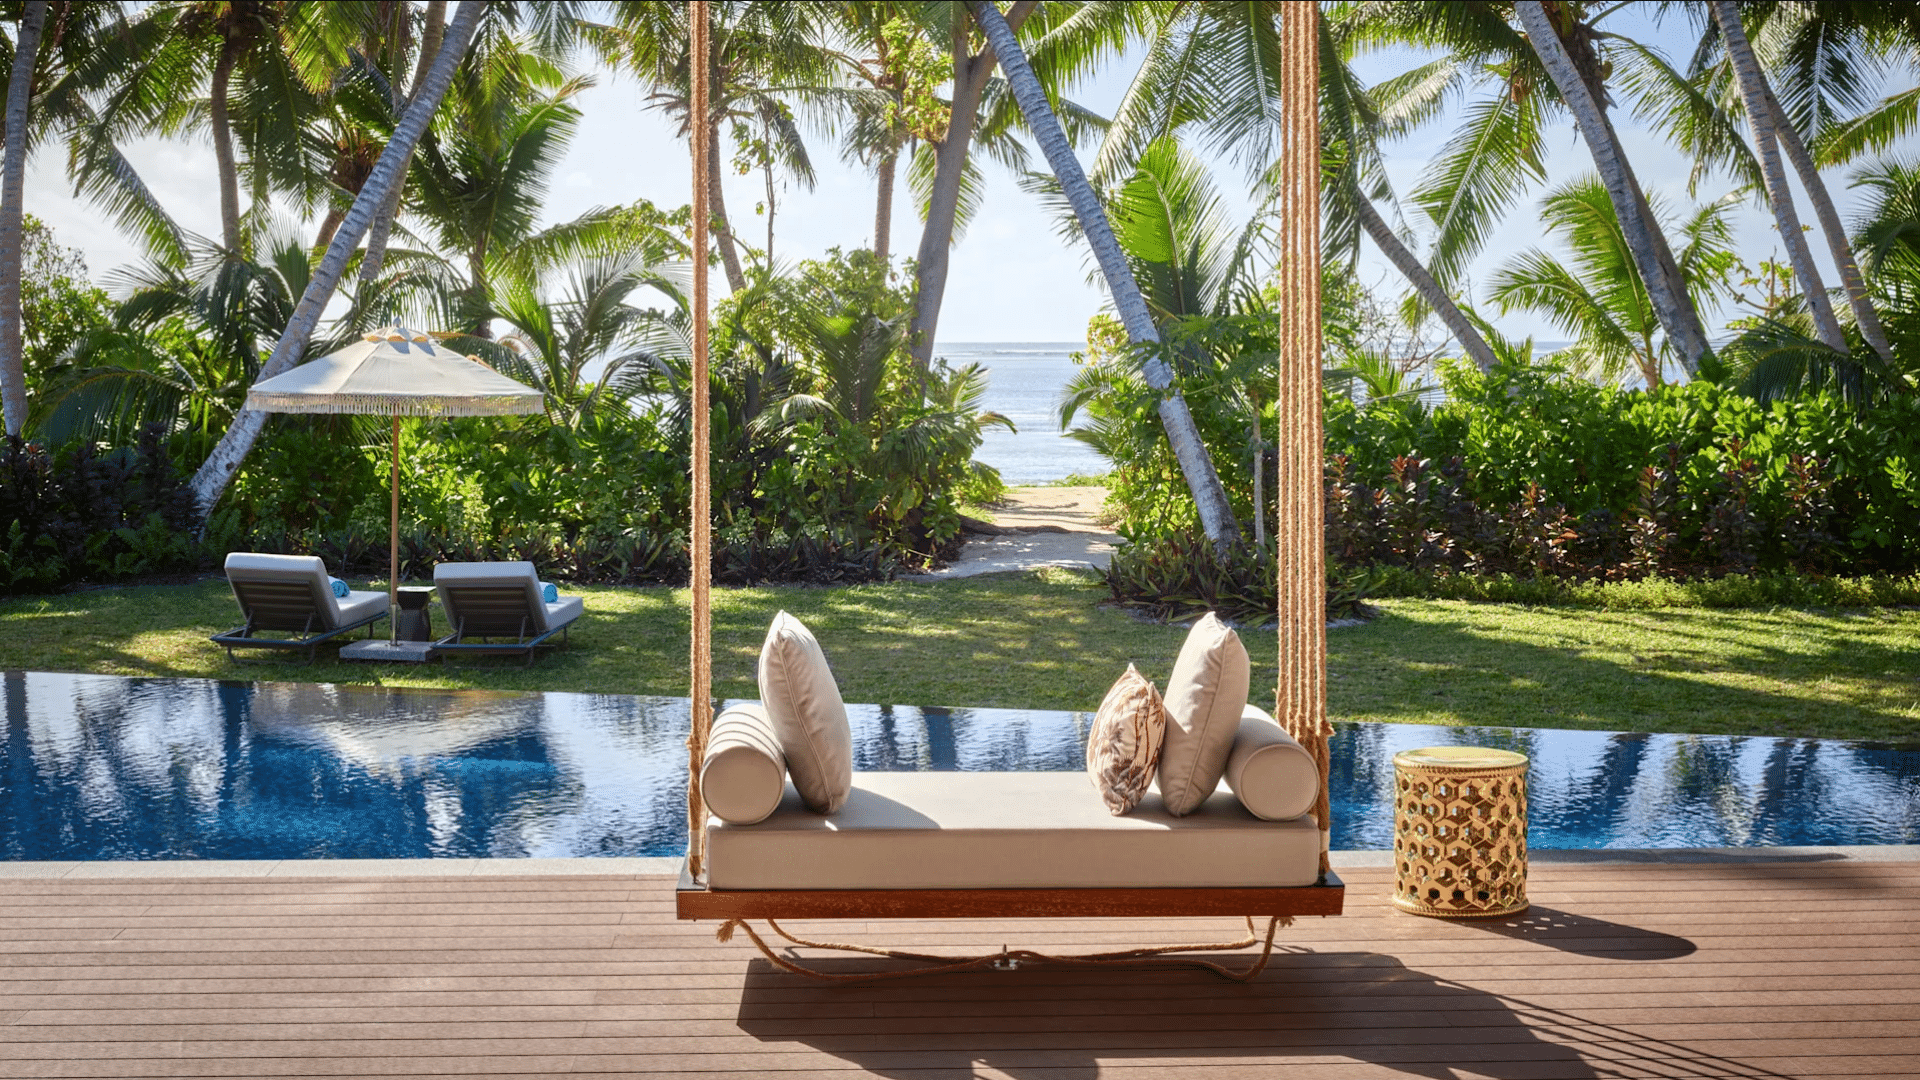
[(1024, 383)]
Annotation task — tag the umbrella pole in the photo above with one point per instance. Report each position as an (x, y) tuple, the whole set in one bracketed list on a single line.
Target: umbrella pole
[(393, 543)]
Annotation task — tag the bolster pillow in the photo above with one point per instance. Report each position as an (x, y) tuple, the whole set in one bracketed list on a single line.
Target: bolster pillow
[(1274, 776), (744, 773)]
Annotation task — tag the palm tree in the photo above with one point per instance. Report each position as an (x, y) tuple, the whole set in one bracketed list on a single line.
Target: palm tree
[(1764, 118), (761, 55), (1582, 91), (433, 26), (1229, 104), (1600, 298), (554, 339), (480, 174), (13, 364), (1209, 496), (1822, 57), (217, 471)]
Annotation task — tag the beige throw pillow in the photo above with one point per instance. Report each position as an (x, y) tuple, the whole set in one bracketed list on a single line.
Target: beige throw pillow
[(1205, 695), (1124, 745), (808, 716)]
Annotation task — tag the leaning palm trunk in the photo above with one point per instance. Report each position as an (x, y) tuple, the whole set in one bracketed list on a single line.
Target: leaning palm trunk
[(1430, 291), (1209, 497), (1650, 253), (13, 359), (382, 228), (1761, 117), (1864, 315), (217, 471), (970, 73)]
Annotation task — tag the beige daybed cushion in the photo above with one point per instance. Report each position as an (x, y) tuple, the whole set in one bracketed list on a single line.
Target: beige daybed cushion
[(955, 830), (1273, 775), (1205, 694), (744, 774), (803, 701)]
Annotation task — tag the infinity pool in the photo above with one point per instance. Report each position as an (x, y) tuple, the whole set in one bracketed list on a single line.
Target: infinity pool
[(102, 767)]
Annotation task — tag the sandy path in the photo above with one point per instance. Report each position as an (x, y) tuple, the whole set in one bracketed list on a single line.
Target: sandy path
[(1058, 527)]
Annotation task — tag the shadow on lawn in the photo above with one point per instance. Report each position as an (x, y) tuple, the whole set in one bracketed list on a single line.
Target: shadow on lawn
[(1413, 665), (1309, 1009)]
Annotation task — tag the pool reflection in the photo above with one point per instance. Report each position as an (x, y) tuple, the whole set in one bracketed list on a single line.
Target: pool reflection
[(103, 767)]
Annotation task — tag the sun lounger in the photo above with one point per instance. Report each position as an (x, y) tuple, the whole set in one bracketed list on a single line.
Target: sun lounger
[(496, 607), (291, 594)]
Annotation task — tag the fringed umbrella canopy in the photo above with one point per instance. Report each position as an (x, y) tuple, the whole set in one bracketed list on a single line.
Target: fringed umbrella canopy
[(395, 372)]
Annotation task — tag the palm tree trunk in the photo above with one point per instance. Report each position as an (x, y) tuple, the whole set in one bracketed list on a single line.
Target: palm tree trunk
[(1761, 118), (1864, 314), (970, 73), (223, 147), (1209, 496), (1423, 283), (382, 228), (217, 471), (13, 183), (883, 208), (1650, 253), (717, 203)]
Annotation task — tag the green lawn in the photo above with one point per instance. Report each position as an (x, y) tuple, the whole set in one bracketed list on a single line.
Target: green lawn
[(1041, 641)]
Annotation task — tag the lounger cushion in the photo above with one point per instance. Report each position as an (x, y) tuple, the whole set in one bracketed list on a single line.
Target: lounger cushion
[(541, 616), (1036, 830), (308, 569), (360, 606), (803, 701), (1204, 698), (563, 611), (1273, 776), (744, 774), (1124, 744)]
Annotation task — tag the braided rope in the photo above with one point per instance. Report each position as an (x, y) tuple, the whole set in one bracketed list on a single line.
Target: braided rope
[(700, 575), (1299, 532), (1008, 959)]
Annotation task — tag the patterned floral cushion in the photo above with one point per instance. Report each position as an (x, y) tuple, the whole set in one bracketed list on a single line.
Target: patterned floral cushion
[(1124, 745)]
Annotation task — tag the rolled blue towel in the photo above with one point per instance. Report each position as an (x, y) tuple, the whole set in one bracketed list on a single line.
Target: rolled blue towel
[(549, 593), (339, 587)]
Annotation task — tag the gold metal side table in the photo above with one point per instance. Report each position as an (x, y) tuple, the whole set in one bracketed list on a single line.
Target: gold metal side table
[(1460, 832)]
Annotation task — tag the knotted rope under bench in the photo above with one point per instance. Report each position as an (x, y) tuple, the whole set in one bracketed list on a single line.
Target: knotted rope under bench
[(1008, 959)]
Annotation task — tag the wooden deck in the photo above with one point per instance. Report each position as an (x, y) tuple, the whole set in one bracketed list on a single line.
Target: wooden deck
[(1805, 969)]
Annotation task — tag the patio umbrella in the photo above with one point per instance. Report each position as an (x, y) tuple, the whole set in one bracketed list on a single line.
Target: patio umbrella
[(395, 372)]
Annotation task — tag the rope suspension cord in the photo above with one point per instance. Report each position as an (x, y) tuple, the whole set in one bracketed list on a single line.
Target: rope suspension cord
[(701, 554), (1008, 959), (1299, 534)]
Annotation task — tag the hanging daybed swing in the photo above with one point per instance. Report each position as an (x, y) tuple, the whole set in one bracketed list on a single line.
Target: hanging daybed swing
[(890, 814)]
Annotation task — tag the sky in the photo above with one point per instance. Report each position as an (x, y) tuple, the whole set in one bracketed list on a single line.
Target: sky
[(1011, 277)]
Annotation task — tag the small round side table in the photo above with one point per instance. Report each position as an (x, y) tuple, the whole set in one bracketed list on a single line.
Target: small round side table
[(1460, 832)]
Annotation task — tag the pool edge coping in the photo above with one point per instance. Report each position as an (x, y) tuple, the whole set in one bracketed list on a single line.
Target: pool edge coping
[(645, 866)]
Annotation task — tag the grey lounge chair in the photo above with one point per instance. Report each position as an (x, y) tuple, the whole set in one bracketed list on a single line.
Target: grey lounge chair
[(495, 607), (290, 594)]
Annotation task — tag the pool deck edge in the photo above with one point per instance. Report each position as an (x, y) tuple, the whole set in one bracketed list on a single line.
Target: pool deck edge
[(659, 867)]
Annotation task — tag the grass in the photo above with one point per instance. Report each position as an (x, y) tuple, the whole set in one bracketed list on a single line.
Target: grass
[(1040, 641)]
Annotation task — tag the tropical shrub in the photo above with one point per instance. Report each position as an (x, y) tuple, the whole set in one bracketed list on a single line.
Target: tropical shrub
[(79, 515), (1529, 472)]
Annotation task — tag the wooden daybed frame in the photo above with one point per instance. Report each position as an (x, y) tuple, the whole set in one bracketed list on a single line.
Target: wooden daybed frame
[(1301, 696)]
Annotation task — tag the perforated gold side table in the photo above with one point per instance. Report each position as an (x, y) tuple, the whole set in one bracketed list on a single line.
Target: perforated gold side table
[(1460, 832)]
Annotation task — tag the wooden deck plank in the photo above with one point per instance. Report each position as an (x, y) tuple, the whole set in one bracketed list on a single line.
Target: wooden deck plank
[(1758, 970)]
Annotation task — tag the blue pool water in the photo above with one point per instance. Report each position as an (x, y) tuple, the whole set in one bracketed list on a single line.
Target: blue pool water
[(102, 767)]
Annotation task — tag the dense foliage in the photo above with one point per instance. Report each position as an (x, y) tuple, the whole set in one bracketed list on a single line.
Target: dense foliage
[(79, 514)]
